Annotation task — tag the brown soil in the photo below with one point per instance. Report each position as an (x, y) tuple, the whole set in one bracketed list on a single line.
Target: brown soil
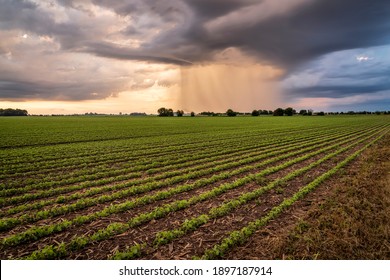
[(264, 244), (347, 218)]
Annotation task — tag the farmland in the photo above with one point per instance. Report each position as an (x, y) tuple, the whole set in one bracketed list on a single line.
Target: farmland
[(106, 187)]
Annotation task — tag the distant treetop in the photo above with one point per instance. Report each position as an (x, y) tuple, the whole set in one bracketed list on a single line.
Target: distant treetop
[(13, 112)]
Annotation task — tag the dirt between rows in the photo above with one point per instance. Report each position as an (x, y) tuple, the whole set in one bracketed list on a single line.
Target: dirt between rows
[(191, 244), (121, 160), (143, 176), (207, 235), (101, 206), (348, 217), (213, 232), (59, 170), (89, 228)]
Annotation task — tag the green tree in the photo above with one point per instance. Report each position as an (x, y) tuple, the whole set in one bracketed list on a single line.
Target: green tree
[(278, 112), (179, 113), (263, 112), (164, 112), (231, 113), (13, 112), (255, 113), (303, 112), (289, 111)]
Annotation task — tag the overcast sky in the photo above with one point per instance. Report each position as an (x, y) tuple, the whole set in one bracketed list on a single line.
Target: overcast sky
[(75, 56)]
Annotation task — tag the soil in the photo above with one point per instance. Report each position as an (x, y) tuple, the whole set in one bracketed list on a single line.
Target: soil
[(281, 238)]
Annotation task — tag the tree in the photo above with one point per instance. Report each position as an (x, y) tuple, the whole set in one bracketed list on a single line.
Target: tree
[(263, 112), (303, 112), (192, 114), (231, 113), (164, 112), (13, 112), (255, 113), (278, 112), (289, 111), (179, 113)]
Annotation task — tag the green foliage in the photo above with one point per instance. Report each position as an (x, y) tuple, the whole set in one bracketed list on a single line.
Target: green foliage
[(164, 112), (289, 111), (303, 112), (49, 253), (238, 237), (231, 113), (13, 112), (255, 113), (131, 253), (148, 160), (278, 112)]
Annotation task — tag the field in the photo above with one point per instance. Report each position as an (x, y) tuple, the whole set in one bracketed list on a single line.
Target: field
[(101, 187)]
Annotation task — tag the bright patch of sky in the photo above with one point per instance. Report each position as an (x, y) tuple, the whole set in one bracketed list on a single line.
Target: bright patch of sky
[(343, 71)]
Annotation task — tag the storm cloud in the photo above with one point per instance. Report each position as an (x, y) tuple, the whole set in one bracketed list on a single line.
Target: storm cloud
[(286, 32), (298, 36)]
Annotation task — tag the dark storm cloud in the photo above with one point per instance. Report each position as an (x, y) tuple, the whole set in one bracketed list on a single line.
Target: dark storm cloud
[(118, 52), (307, 31), (339, 91), (27, 16), (323, 27), (25, 90), (310, 30), (342, 74), (184, 32), (207, 9)]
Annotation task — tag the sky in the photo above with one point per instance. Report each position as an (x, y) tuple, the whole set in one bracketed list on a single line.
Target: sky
[(78, 56)]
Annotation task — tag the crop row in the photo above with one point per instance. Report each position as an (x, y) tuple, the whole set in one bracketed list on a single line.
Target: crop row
[(33, 234), (206, 163), (164, 237), (163, 160), (37, 232), (238, 237), (8, 223), (85, 164), (101, 158), (54, 153), (59, 191), (98, 150), (51, 251), (187, 226)]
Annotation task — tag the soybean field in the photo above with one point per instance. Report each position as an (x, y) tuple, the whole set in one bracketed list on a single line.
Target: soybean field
[(119, 187)]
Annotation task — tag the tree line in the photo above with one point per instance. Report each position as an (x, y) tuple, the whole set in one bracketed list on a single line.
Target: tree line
[(289, 111), (165, 112), (13, 112)]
